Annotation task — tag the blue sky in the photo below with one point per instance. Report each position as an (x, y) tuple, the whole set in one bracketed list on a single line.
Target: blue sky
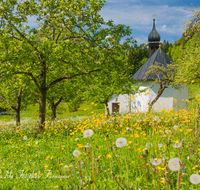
[(170, 16)]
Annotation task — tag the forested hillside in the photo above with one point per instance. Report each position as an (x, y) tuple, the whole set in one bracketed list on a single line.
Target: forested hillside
[(185, 52)]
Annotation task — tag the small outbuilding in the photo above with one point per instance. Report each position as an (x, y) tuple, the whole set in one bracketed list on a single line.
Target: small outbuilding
[(171, 97)]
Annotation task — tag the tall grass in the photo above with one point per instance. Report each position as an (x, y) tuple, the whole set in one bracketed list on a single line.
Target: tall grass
[(48, 160)]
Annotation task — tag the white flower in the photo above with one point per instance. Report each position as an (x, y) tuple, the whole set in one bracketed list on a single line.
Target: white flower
[(167, 131), (121, 142), (76, 139), (108, 37), (36, 142), (156, 118), (148, 145), (88, 133), (156, 161), (175, 127), (87, 145), (66, 167), (195, 178), (25, 138), (174, 164), (128, 129), (177, 145), (66, 127), (76, 153), (160, 145)]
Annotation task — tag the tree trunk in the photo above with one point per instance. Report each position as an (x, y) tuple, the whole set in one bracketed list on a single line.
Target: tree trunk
[(160, 91), (54, 107), (18, 106), (43, 97)]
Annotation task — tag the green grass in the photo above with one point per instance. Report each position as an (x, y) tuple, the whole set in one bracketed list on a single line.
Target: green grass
[(31, 112), (46, 160)]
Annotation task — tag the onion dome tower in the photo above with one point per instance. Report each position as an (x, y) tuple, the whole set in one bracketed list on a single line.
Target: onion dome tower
[(153, 39)]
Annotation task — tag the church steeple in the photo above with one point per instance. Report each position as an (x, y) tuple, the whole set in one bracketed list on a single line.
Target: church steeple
[(153, 39)]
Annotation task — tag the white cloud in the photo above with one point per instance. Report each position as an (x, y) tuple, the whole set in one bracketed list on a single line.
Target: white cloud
[(141, 39), (164, 27), (169, 19)]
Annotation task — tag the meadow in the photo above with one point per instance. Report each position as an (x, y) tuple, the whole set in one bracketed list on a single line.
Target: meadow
[(157, 150)]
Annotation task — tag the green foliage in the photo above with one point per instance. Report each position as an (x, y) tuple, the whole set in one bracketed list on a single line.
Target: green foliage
[(185, 52), (165, 46), (192, 26), (72, 40), (137, 56), (189, 63)]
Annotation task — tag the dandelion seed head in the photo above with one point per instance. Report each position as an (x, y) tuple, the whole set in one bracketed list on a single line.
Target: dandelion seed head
[(195, 178), (88, 133), (121, 142), (174, 164)]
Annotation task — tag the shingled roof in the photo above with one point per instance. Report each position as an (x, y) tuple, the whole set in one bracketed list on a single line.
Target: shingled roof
[(159, 56)]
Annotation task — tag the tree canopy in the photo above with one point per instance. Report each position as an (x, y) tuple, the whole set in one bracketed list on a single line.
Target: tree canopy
[(72, 40)]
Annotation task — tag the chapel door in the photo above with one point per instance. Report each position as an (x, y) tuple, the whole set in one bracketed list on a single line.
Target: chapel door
[(115, 107)]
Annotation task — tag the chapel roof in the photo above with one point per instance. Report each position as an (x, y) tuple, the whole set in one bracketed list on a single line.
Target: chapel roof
[(159, 56), (154, 36)]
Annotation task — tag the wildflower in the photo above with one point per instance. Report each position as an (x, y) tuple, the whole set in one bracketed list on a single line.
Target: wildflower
[(177, 144), (148, 145), (25, 138), (156, 118), (156, 161), (76, 139), (66, 167), (167, 131), (109, 156), (88, 133), (174, 164), (175, 127), (160, 145), (76, 153), (108, 37), (195, 178), (121, 142), (87, 145), (128, 129), (36, 142)]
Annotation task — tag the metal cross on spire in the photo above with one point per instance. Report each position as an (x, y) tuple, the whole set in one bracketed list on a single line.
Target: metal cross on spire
[(154, 15)]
